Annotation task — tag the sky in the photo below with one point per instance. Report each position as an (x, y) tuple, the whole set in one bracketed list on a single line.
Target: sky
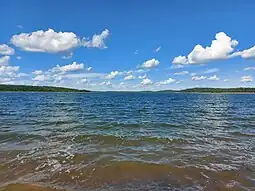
[(128, 45)]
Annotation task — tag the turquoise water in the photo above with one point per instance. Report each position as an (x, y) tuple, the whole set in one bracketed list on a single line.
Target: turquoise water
[(128, 141)]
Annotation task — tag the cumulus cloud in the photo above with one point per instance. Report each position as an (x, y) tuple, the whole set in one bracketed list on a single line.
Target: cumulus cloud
[(18, 57), (112, 75), (146, 81), (180, 60), (136, 52), (212, 70), (246, 79), (247, 54), (83, 81), (4, 60), (168, 81), (221, 48), (45, 41), (97, 41), (214, 78), (150, 63), (198, 78), (6, 50), (181, 73), (249, 68), (51, 41), (69, 68), (129, 77)]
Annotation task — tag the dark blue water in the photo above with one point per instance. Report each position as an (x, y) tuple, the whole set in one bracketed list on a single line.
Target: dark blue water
[(128, 141)]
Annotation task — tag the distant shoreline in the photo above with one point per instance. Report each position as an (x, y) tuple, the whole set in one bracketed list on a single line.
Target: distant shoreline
[(25, 88)]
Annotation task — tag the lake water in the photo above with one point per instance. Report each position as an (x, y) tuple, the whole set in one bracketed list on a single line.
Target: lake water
[(128, 141)]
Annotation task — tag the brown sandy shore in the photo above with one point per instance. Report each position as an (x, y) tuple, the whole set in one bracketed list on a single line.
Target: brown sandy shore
[(26, 187)]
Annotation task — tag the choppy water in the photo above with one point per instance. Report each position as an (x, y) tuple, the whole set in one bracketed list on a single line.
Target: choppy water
[(128, 141)]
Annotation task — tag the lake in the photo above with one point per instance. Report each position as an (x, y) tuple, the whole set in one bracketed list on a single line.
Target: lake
[(128, 141)]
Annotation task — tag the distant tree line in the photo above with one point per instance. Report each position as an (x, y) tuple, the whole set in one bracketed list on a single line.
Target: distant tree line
[(24, 88)]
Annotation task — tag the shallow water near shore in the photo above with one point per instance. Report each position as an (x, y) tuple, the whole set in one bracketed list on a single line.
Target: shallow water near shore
[(128, 141)]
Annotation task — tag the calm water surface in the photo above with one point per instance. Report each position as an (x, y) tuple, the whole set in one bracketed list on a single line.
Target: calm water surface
[(128, 141)]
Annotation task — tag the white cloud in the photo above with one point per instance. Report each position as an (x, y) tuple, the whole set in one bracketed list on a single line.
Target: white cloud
[(181, 73), (18, 57), (246, 79), (168, 81), (214, 77), (112, 75), (142, 77), (4, 60), (41, 78), (221, 48), (68, 68), (89, 69), (197, 78), (158, 49), (193, 74), (108, 83), (180, 60), (146, 81), (98, 41), (84, 75), (46, 41), (249, 68), (8, 70), (226, 80), (130, 77), (37, 72), (248, 53), (212, 70), (6, 50), (150, 63), (70, 55), (20, 26)]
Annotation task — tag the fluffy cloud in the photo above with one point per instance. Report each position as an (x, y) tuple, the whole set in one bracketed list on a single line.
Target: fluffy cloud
[(249, 68), (97, 41), (197, 78), (180, 60), (246, 79), (4, 61), (214, 78), (46, 41), (6, 50), (221, 48), (181, 73), (150, 63), (168, 81), (248, 53), (68, 68), (130, 77), (18, 57), (146, 81), (52, 42), (112, 75)]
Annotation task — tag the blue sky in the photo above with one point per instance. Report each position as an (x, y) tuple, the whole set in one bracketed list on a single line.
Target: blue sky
[(128, 45)]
